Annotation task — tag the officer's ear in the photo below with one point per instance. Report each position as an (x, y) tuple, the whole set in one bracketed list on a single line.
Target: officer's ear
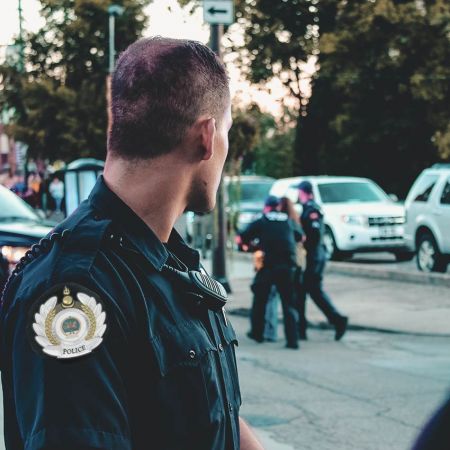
[(207, 135)]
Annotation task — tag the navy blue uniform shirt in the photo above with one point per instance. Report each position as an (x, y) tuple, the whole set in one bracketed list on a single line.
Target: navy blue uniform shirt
[(162, 371), (312, 224), (277, 236)]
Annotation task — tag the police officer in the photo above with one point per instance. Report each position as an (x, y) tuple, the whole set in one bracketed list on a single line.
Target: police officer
[(112, 336), (313, 227), (277, 236)]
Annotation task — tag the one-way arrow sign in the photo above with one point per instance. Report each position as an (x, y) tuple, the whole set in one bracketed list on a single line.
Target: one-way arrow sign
[(218, 11)]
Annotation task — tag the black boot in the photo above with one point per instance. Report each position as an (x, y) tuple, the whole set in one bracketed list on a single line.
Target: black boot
[(250, 335), (340, 326), (302, 335)]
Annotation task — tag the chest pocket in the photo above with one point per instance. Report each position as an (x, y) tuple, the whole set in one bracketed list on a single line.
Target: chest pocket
[(229, 344), (187, 381)]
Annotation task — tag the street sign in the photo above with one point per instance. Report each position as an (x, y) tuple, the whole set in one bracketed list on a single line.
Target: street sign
[(218, 11)]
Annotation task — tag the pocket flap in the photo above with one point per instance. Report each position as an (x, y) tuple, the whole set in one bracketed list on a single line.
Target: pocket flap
[(180, 347)]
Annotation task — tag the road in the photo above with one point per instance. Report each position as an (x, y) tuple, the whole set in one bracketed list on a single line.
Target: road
[(373, 390), (239, 264)]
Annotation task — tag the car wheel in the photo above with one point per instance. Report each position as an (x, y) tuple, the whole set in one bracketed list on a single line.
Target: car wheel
[(403, 256), (330, 244), (429, 258), (331, 250)]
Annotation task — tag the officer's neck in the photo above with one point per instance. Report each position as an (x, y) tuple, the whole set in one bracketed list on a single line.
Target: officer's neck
[(155, 193)]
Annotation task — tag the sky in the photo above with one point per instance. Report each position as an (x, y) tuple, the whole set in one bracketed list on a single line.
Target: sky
[(168, 19)]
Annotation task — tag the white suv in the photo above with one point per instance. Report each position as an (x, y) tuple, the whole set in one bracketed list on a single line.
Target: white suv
[(428, 218), (359, 216)]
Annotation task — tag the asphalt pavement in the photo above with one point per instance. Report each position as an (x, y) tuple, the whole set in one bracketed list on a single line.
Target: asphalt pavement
[(375, 389), (371, 391)]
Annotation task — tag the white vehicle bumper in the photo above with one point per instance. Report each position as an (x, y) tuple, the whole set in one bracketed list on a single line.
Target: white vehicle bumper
[(375, 238)]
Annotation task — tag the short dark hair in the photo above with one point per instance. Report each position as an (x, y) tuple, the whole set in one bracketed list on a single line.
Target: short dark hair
[(159, 89)]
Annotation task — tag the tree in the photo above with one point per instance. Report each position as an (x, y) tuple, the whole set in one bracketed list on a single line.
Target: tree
[(59, 101), (379, 104), (380, 100), (280, 37)]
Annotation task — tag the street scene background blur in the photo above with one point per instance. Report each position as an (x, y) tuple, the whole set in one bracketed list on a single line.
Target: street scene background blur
[(351, 96)]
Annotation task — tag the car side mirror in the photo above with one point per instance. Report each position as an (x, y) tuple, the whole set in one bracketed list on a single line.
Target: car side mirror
[(393, 197)]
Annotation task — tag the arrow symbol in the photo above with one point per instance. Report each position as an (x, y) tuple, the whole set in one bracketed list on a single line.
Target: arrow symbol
[(213, 11)]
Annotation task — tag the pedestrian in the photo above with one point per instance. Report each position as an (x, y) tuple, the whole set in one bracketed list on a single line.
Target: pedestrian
[(271, 326), (112, 335), (277, 235), (312, 223), (56, 190), (34, 184)]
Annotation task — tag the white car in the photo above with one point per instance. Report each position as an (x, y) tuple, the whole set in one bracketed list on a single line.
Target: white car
[(428, 219), (358, 215)]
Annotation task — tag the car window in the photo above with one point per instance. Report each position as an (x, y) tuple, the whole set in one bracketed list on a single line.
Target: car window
[(14, 208), (445, 197), (348, 192), (249, 191), (424, 187)]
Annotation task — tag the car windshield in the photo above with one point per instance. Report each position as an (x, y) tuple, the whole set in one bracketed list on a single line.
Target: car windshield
[(15, 209), (249, 191), (349, 192)]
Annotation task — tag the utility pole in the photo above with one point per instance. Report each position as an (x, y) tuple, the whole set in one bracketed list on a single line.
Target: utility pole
[(113, 12), (219, 267), (21, 41)]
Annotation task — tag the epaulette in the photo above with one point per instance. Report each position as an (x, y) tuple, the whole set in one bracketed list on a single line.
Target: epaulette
[(36, 250)]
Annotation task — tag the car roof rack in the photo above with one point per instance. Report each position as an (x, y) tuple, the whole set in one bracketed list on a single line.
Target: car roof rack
[(441, 166)]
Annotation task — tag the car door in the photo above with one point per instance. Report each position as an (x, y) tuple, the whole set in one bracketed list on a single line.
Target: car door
[(442, 215)]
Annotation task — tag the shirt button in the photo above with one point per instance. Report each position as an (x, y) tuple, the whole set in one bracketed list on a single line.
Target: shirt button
[(192, 354), (221, 347), (230, 407)]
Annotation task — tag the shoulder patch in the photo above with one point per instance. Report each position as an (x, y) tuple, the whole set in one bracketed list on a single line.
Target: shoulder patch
[(69, 323)]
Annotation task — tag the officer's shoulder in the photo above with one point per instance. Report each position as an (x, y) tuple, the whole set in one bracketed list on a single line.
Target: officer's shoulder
[(65, 255), (313, 207), (275, 216)]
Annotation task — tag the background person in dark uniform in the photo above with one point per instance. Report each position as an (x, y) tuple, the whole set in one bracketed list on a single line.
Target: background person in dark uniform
[(312, 223), (107, 343), (277, 236)]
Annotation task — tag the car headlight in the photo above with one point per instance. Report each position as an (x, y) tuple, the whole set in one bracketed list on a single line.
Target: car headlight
[(355, 220), (13, 254)]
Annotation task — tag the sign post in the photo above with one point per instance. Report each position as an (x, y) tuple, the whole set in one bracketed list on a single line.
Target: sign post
[(219, 13)]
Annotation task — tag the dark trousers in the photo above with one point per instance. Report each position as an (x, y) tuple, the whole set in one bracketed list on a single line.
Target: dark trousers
[(283, 278), (312, 284)]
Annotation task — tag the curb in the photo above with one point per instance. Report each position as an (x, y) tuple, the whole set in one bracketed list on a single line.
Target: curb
[(350, 269), (245, 312)]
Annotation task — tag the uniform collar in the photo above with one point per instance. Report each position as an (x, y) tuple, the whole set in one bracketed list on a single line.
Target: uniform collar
[(109, 205)]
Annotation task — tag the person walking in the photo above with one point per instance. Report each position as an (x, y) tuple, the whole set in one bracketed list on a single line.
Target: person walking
[(112, 335), (277, 236), (271, 326), (312, 223), (56, 190)]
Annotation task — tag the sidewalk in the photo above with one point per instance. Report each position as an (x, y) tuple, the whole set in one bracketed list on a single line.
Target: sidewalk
[(371, 304)]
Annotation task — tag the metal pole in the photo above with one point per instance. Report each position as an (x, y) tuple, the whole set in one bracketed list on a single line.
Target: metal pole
[(112, 49), (21, 50), (219, 267)]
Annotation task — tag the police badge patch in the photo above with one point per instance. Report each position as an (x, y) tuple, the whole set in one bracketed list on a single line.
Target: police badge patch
[(68, 327)]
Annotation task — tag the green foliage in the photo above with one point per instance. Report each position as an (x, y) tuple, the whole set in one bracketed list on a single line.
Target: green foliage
[(380, 97), (261, 143), (380, 100), (59, 102), (244, 134)]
